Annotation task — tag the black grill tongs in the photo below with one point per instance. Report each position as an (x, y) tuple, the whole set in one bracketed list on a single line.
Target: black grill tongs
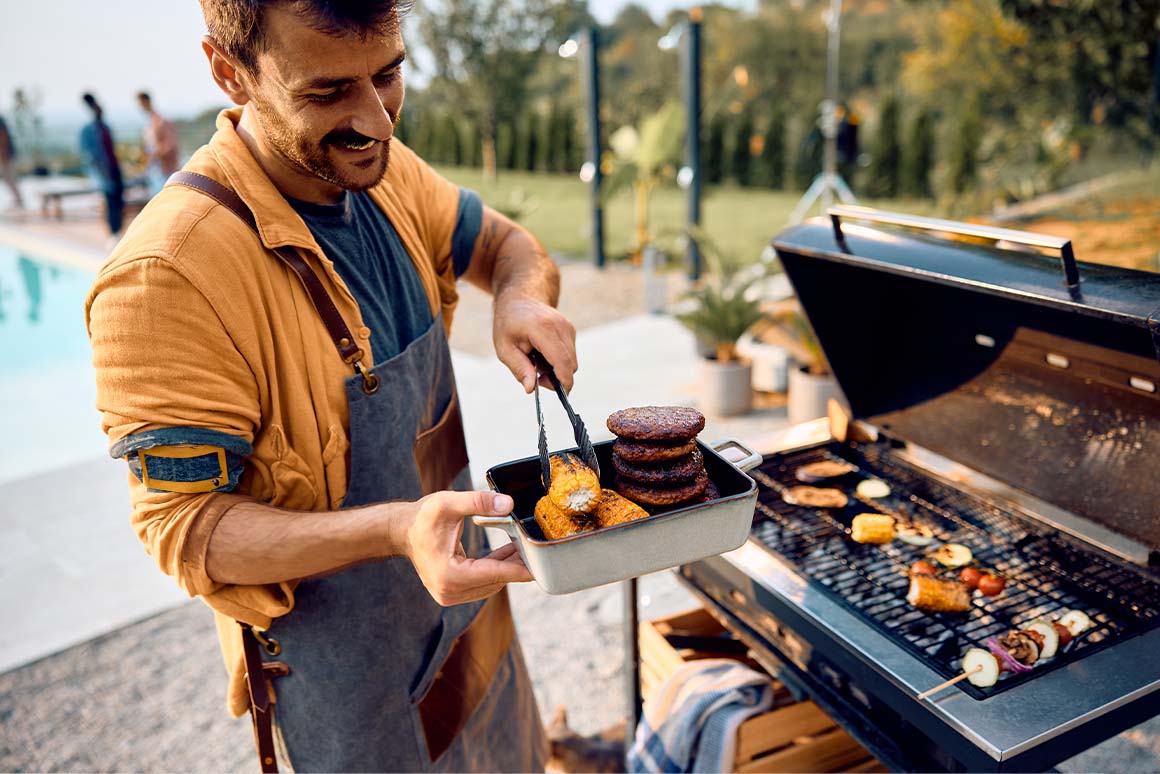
[(581, 433)]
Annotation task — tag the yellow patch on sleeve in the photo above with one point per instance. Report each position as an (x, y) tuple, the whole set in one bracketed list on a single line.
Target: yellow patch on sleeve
[(185, 468)]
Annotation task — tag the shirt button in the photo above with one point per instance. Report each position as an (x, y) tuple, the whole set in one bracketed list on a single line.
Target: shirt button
[(364, 332)]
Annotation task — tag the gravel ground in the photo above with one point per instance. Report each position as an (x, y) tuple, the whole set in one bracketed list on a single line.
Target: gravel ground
[(588, 297)]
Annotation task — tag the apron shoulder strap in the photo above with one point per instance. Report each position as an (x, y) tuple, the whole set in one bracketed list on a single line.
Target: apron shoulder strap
[(340, 334)]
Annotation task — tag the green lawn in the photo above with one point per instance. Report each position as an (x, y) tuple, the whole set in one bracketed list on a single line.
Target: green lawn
[(740, 221)]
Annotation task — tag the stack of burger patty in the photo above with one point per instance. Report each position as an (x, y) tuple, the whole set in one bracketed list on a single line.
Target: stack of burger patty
[(656, 458)]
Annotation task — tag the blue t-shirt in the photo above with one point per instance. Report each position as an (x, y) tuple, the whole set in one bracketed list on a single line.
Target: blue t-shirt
[(371, 259)]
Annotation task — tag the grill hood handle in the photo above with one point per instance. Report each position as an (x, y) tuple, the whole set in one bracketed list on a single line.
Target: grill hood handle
[(1003, 237)]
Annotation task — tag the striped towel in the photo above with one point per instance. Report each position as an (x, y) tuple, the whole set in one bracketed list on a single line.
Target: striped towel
[(691, 723)]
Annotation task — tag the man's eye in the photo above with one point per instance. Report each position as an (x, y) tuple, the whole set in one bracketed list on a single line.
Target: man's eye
[(330, 96), (386, 79)]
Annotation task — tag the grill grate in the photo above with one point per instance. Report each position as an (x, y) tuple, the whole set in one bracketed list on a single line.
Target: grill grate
[(1046, 574)]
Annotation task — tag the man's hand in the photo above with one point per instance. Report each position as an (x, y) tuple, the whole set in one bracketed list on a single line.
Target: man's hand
[(432, 544), (523, 324)]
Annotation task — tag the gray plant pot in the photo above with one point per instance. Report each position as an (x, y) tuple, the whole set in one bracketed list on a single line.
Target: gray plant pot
[(808, 394), (726, 389)]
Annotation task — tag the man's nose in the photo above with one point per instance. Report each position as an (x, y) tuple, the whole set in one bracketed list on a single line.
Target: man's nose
[(371, 118)]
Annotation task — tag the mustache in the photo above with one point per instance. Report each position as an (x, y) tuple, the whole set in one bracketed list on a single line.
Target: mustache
[(346, 137)]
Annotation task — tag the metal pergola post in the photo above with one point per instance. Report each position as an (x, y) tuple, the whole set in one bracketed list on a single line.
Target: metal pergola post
[(691, 75), (590, 52)]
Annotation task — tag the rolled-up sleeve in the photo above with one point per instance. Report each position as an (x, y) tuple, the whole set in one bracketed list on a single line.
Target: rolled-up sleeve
[(180, 404)]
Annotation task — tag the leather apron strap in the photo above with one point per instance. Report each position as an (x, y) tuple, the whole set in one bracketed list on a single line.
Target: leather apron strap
[(340, 334), (261, 697)]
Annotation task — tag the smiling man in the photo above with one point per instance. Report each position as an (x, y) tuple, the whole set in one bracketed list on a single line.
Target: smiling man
[(270, 341)]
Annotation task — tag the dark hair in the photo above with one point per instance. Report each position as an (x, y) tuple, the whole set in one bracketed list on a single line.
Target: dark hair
[(91, 101), (143, 96), (237, 24)]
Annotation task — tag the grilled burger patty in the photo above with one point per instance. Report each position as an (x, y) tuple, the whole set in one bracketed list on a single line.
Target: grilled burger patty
[(656, 423), (815, 497), (823, 469), (678, 471), (711, 493), (657, 494), (652, 451)]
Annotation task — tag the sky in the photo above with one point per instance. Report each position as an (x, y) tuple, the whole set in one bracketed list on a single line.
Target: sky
[(114, 48)]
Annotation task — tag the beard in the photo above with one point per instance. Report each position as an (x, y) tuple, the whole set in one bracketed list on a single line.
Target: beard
[(317, 157)]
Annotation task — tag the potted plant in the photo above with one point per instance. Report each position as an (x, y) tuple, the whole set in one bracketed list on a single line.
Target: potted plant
[(718, 312), (810, 382)]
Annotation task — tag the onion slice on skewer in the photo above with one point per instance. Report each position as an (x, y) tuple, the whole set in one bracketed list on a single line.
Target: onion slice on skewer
[(1008, 660)]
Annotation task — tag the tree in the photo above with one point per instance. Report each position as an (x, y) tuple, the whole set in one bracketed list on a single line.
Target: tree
[(1111, 51), (528, 139), (886, 155), (771, 163), (485, 53), (545, 140), (740, 152), (713, 150), (505, 156), (963, 159), (644, 159), (918, 156), (450, 151)]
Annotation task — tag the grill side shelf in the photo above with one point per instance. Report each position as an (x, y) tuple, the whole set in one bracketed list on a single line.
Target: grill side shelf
[(1046, 573)]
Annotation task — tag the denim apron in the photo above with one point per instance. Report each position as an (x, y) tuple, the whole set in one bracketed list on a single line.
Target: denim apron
[(381, 677), (371, 673)]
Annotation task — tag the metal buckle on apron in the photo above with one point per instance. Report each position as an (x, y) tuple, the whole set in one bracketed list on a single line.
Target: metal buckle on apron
[(269, 644), (371, 381)]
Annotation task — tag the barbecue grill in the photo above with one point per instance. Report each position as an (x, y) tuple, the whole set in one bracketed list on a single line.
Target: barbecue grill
[(1008, 397)]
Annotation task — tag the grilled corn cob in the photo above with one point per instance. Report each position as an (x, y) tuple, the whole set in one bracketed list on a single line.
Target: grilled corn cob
[(937, 595), (575, 488), (556, 524), (872, 528), (611, 509)]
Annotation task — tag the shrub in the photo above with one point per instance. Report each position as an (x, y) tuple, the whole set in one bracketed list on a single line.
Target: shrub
[(886, 155), (918, 156)]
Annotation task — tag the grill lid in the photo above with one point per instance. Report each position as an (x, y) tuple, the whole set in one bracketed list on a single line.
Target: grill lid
[(973, 343)]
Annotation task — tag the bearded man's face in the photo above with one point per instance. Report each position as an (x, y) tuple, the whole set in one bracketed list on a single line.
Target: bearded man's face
[(328, 105)]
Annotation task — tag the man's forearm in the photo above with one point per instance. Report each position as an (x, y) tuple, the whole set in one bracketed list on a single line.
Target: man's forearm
[(522, 267), (255, 543)]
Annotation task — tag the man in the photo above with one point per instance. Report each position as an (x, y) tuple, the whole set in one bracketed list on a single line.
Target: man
[(100, 157), (160, 140), (286, 404), (8, 165)]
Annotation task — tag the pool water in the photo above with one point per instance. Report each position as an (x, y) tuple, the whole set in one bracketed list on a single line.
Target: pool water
[(48, 416)]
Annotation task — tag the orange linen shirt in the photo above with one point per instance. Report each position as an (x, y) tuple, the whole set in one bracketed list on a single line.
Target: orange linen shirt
[(194, 323)]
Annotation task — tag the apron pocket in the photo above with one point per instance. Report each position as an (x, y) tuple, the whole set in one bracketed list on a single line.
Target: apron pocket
[(446, 703), (441, 452)]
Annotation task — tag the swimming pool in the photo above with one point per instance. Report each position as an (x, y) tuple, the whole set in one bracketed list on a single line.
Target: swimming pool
[(48, 415)]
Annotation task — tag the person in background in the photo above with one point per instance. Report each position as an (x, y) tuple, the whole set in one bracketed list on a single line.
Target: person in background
[(8, 164), (100, 157), (160, 145)]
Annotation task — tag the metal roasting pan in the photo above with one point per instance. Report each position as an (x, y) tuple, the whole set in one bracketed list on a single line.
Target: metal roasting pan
[(657, 542)]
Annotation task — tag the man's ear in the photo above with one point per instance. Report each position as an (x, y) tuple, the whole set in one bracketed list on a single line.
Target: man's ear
[(225, 71)]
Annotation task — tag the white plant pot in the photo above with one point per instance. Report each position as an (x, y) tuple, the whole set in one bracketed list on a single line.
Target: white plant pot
[(726, 388), (770, 363), (808, 394)]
